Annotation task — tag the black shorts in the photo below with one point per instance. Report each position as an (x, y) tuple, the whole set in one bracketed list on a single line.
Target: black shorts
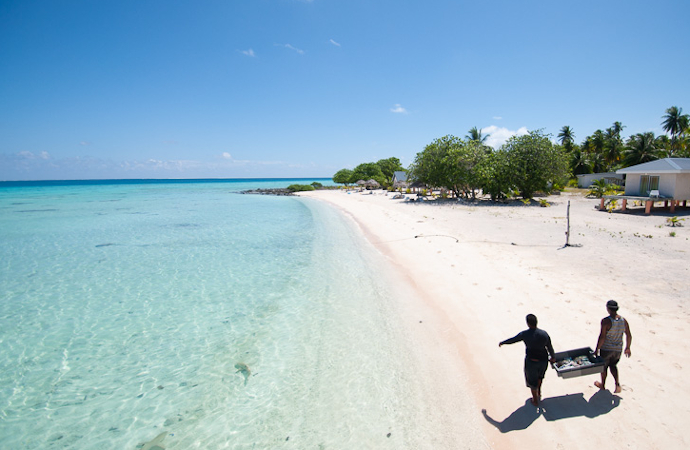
[(610, 357), (534, 371)]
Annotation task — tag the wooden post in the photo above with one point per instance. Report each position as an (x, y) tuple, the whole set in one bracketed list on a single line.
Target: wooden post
[(673, 205), (601, 205), (648, 207), (567, 232), (625, 204)]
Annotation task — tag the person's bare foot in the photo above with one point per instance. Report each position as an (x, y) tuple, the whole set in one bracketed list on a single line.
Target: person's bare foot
[(618, 389), (599, 385)]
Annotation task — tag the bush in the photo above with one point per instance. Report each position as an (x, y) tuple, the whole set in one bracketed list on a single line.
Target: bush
[(317, 185), (300, 187)]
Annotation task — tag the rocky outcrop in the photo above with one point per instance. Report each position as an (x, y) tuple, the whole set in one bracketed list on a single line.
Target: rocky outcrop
[(276, 191)]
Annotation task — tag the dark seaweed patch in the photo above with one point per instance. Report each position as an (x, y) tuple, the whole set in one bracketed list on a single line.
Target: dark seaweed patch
[(36, 210)]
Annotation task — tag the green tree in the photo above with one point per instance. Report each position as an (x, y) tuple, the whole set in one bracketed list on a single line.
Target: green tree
[(475, 134), (613, 145), (389, 166), (640, 148), (593, 147), (494, 175), (368, 171), (684, 145), (431, 165), (579, 161), (675, 123), (534, 162), (598, 145), (462, 163), (343, 176), (566, 137)]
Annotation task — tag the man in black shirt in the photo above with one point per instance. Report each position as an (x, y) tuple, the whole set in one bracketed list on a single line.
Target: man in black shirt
[(538, 353)]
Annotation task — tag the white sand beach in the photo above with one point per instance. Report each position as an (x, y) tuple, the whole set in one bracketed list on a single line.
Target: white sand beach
[(478, 269)]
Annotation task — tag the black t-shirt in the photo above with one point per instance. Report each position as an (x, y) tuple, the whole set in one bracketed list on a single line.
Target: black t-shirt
[(537, 343)]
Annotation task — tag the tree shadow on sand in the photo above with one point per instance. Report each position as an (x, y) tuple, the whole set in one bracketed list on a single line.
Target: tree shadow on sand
[(556, 408)]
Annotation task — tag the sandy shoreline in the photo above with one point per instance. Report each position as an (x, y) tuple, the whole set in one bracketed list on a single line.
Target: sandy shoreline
[(478, 270)]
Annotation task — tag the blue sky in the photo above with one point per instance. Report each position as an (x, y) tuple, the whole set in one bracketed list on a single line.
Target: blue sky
[(296, 88)]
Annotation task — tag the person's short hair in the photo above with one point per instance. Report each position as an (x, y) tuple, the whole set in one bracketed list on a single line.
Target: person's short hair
[(531, 320), (612, 305)]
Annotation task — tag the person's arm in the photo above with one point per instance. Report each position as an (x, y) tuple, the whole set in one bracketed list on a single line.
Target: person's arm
[(605, 327), (549, 348), (628, 339), (514, 339)]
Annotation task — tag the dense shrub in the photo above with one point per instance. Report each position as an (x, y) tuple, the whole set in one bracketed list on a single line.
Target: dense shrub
[(300, 187)]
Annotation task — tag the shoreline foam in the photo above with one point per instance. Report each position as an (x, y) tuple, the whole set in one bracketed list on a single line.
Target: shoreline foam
[(479, 269)]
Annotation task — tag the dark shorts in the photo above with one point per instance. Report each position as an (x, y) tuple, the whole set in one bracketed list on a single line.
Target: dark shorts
[(534, 371), (610, 357)]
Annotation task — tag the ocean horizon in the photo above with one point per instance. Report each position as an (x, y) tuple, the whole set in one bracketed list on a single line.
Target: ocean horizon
[(179, 314), (109, 181)]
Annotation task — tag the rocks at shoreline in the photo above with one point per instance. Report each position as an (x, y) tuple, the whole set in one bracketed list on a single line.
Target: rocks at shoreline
[(273, 191)]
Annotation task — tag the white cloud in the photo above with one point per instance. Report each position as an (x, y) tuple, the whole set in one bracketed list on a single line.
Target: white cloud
[(334, 43), (499, 136), (398, 109), (498, 118), (227, 155), (25, 154), (249, 52), (300, 51), (85, 143)]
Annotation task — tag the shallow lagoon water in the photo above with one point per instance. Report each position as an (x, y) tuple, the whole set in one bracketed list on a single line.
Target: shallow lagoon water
[(127, 309)]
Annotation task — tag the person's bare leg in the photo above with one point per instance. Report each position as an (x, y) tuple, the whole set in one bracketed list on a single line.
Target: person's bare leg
[(535, 396), (603, 381), (614, 372)]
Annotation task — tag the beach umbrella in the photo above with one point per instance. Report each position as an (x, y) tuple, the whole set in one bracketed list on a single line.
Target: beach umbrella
[(373, 183), (361, 182)]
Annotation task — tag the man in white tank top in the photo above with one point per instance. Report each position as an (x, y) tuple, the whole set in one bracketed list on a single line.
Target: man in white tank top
[(610, 343)]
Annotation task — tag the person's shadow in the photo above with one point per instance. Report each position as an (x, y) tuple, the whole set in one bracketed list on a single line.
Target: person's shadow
[(556, 408)]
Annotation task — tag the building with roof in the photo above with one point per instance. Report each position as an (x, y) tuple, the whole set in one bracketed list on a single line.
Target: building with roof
[(666, 180)]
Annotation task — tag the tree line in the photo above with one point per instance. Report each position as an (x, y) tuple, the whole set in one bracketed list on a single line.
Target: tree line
[(607, 151), (529, 163), (380, 171)]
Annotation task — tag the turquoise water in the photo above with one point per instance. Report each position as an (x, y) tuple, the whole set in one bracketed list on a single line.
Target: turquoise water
[(127, 309)]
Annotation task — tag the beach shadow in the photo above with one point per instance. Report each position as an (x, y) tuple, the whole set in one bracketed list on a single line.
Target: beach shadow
[(575, 405), (556, 408), (520, 419), (657, 211), (479, 202)]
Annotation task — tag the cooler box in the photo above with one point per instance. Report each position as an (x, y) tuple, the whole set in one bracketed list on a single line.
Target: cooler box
[(578, 362)]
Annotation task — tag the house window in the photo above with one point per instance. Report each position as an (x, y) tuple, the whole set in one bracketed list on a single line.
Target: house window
[(648, 183)]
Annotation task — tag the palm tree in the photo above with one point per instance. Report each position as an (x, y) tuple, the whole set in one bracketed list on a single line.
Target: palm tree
[(579, 163), (640, 148), (595, 146), (475, 134), (567, 137), (613, 144), (598, 163), (617, 128), (675, 123)]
